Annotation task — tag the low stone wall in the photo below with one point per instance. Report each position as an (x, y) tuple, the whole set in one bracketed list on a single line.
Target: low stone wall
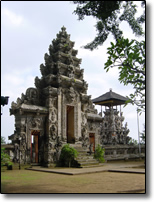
[(123, 152)]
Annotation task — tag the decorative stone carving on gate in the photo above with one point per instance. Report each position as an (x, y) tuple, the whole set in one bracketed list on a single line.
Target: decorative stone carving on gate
[(53, 132), (35, 123), (31, 97), (53, 115), (71, 95), (84, 137)]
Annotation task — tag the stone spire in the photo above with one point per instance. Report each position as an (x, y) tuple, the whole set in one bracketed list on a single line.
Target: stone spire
[(62, 67)]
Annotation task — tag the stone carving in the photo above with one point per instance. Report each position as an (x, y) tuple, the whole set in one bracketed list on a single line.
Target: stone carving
[(39, 83), (46, 70), (32, 96), (35, 123), (70, 71), (112, 131), (85, 138), (84, 120), (53, 132), (57, 147), (53, 115), (71, 95)]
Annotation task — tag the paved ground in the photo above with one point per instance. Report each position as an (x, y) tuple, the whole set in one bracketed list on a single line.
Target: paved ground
[(127, 167)]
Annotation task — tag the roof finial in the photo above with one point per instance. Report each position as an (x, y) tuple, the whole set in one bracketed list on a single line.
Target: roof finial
[(63, 29), (110, 89)]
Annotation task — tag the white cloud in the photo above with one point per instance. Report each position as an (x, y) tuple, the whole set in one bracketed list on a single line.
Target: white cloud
[(9, 17)]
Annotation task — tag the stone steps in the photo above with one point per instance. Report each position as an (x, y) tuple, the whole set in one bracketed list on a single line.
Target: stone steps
[(84, 158)]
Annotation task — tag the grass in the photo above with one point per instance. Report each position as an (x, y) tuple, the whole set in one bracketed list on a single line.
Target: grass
[(26, 181)]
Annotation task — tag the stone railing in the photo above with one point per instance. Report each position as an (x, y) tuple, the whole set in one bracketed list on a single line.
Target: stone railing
[(123, 152)]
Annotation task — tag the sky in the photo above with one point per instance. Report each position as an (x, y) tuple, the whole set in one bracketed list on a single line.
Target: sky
[(27, 30)]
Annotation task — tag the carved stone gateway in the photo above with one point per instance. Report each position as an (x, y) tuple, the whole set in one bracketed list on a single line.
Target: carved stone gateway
[(58, 110)]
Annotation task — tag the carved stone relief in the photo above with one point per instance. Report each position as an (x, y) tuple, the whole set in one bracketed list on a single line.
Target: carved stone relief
[(84, 137), (71, 95), (113, 132)]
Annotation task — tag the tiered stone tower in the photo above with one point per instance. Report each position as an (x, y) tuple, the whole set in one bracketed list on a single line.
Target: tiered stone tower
[(58, 110), (113, 132)]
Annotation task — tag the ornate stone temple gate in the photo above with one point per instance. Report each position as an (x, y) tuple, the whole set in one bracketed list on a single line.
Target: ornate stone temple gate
[(58, 110)]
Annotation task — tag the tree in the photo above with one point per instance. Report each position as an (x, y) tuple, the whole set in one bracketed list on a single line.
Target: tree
[(129, 57), (133, 142), (5, 158), (109, 15)]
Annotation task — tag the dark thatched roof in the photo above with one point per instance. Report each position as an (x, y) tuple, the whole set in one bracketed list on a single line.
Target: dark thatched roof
[(110, 99)]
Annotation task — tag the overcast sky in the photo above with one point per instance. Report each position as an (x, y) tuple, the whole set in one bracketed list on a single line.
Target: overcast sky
[(28, 28)]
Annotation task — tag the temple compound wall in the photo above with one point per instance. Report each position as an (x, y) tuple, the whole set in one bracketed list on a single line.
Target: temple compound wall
[(57, 110)]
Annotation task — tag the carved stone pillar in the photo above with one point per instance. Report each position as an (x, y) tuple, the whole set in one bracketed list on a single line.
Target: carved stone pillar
[(79, 120), (59, 113), (64, 121)]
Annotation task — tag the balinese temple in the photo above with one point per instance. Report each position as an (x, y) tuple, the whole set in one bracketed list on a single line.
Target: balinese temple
[(58, 111), (113, 132)]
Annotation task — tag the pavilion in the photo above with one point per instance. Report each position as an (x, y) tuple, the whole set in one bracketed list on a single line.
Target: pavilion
[(113, 131)]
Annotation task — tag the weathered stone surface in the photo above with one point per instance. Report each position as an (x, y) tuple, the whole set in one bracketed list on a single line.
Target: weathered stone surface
[(113, 132)]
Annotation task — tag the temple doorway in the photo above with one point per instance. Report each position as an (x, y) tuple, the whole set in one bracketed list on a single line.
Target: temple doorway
[(92, 140), (70, 125), (35, 146)]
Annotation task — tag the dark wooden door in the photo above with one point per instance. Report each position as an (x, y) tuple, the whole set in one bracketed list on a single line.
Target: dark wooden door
[(70, 125), (35, 146), (92, 140)]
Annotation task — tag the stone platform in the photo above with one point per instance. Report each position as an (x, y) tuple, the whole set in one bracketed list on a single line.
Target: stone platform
[(135, 167)]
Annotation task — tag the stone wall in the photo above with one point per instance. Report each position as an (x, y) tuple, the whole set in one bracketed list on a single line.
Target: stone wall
[(123, 152)]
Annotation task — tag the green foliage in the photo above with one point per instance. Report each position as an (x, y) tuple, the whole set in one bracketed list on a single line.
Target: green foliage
[(129, 57), (5, 158), (99, 153), (109, 14), (133, 142), (67, 156)]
